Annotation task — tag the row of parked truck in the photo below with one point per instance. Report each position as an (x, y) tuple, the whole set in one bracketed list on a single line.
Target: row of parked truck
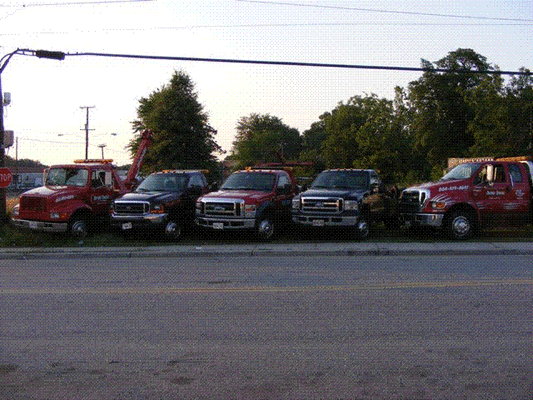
[(476, 194)]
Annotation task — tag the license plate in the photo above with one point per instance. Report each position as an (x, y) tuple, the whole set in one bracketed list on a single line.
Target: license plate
[(126, 226), (218, 225), (318, 222), (33, 225)]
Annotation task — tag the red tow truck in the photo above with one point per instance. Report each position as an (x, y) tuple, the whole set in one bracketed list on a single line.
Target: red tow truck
[(475, 194), (75, 196), (257, 199)]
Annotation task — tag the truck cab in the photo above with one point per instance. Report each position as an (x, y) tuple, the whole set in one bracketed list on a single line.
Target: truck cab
[(73, 196), (251, 199), (164, 201), (346, 199), (472, 196)]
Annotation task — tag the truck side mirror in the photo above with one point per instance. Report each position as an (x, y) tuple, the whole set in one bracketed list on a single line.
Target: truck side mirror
[(45, 174)]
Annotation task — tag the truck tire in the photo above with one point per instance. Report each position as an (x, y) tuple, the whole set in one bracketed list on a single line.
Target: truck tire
[(460, 225), (173, 230), (362, 229), (78, 226), (265, 229)]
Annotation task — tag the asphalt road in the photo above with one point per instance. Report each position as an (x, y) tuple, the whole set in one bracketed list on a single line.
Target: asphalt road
[(267, 327)]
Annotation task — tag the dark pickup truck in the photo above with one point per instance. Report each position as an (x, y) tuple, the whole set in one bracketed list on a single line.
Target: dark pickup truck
[(345, 198), (164, 201)]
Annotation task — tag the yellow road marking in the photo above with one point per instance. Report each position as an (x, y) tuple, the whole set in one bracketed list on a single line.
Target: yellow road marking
[(265, 289)]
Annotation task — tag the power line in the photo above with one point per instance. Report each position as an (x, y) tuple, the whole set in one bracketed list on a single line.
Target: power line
[(384, 11), (273, 25), (293, 63), (73, 3)]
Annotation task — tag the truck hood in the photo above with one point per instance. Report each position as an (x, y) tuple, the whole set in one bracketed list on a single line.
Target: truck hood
[(354, 194), (442, 186), (58, 193), (152, 197), (250, 195)]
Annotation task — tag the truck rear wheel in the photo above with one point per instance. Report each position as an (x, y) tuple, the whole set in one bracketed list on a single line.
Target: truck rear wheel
[(78, 226), (460, 225), (265, 229)]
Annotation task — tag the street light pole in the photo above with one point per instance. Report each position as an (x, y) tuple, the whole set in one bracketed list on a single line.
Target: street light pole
[(55, 55)]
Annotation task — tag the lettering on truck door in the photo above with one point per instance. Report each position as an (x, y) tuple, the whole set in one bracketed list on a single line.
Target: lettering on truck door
[(492, 194), (101, 191)]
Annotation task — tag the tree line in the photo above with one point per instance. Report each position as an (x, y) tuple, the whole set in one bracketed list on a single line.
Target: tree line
[(468, 111)]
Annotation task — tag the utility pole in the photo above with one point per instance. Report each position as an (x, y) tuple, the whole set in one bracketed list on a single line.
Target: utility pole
[(87, 108)]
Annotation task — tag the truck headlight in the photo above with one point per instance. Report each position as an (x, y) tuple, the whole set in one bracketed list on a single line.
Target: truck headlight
[(158, 209), (437, 205), (199, 208), (249, 210), (351, 205), (296, 204), (16, 210), (54, 215)]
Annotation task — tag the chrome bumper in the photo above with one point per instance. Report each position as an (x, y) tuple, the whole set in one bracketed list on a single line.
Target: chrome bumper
[(432, 220), (43, 226)]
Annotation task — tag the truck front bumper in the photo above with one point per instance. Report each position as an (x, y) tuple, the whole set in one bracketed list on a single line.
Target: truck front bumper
[(225, 223), (431, 220), (145, 221), (43, 226), (325, 220)]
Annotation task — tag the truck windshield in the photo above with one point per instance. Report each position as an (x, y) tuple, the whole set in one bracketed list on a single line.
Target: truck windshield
[(463, 171), (260, 181), (351, 180), (163, 183), (67, 177)]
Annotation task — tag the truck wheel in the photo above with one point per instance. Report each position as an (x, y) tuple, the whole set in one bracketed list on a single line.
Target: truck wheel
[(173, 230), (362, 229), (265, 229), (460, 225), (78, 226)]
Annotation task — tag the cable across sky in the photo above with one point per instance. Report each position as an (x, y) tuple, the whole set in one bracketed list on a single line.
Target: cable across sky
[(295, 63)]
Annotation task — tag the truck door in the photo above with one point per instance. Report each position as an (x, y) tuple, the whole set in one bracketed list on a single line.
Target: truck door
[(375, 198), (517, 208), (283, 198), (492, 193), (102, 192)]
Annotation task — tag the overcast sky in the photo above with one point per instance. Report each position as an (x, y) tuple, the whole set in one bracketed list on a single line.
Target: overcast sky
[(47, 94)]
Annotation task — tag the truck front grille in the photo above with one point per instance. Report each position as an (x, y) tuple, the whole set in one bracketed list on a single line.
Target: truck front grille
[(322, 205), (229, 208), (410, 201), (132, 207), (33, 203)]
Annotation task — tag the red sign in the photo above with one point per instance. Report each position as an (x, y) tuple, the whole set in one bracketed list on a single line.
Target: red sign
[(5, 177)]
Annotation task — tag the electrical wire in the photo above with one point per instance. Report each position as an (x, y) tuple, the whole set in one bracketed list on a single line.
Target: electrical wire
[(273, 25), (74, 3), (384, 11), (297, 64)]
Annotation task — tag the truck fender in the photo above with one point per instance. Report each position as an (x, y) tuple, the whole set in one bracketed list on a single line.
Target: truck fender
[(469, 213), (72, 207), (264, 209)]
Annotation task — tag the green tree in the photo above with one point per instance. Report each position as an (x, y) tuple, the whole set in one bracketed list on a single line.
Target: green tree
[(366, 133), (312, 141), (182, 136), (264, 138), (442, 110)]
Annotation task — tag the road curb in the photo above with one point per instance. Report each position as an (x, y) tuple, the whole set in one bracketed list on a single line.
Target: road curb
[(295, 250)]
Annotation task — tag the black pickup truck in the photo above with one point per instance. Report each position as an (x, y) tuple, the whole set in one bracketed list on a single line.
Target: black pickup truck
[(164, 201), (347, 199)]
